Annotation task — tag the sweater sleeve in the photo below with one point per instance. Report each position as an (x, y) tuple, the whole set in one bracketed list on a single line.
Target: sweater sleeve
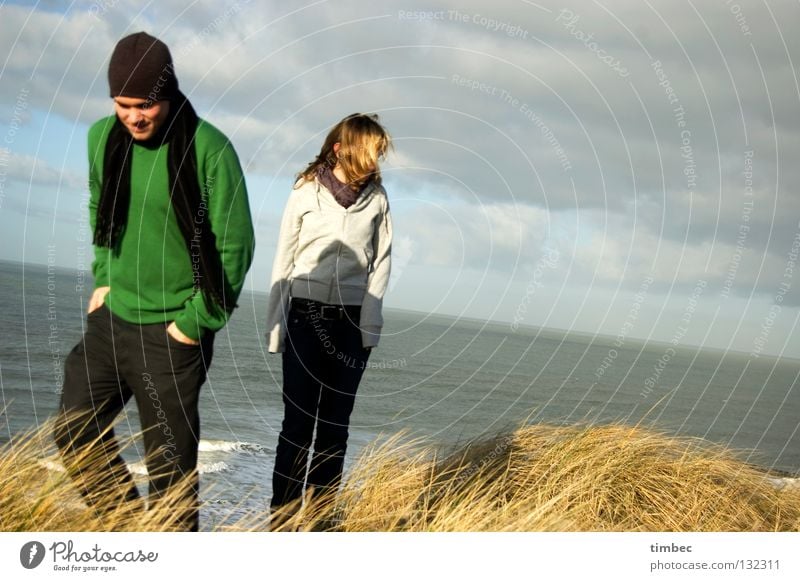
[(100, 270), (229, 215), (282, 266), (371, 308)]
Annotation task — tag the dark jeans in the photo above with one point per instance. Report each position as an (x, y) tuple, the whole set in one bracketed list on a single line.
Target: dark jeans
[(114, 361), (322, 366)]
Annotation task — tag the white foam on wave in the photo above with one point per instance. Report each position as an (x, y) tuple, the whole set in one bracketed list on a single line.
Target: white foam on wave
[(785, 482), (52, 465), (212, 467), (226, 446), (202, 467), (139, 468)]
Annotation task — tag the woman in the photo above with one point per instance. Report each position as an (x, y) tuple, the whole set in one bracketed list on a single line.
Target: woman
[(330, 273)]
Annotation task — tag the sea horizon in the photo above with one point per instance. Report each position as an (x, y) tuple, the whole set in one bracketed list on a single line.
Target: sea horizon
[(602, 338)]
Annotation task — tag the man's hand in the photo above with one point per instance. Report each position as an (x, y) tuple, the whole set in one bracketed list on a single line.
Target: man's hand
[(98, 298), (178, 335)]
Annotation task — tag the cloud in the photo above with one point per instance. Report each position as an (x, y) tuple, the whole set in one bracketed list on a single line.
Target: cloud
[(617, 250), (621, 133), (32, 171), (492, 236)]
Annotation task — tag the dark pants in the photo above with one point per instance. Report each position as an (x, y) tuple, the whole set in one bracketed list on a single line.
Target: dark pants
[(114, 361), (322, 366)]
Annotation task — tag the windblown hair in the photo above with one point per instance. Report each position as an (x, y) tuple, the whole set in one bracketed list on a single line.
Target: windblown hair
[(185, 196), (362, 143)]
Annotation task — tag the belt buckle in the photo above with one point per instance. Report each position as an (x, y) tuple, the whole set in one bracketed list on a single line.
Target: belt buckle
[(337, 314)]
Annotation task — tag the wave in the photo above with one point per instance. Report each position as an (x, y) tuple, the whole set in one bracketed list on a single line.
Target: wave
[(212, 467), (51, 465), (226, 446), (139, 468), (202, 467), (785, 482)]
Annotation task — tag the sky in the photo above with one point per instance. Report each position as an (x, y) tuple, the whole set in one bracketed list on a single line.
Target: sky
[(626, 169)]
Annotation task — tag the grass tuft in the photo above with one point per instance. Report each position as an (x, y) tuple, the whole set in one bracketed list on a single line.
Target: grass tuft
[(537, 478)]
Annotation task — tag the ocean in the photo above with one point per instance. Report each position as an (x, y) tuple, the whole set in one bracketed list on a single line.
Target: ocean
[(445, 380)]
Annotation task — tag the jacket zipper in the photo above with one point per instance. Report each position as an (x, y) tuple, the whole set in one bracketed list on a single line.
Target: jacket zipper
[(338, 256)]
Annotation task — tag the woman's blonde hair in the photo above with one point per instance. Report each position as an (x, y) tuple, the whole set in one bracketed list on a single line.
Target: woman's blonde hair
[(362, 143)]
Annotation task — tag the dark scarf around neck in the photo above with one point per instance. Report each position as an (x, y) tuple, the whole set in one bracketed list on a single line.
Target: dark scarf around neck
[(185, 194), (343, 193)]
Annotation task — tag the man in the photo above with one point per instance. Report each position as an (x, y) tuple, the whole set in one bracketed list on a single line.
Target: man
[(173, 241)]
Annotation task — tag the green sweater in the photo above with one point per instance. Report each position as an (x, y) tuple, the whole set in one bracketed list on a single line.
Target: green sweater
[(151, 277)]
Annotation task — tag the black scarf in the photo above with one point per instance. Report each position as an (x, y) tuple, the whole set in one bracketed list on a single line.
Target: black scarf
[(185, 197), (341, 191)]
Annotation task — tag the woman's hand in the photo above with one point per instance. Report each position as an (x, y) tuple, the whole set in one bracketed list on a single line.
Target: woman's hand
[(98, 298), (178, 335)]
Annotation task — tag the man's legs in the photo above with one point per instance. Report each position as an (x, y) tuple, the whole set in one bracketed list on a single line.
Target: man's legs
[(166, 384), (113, 360), (93, 394)]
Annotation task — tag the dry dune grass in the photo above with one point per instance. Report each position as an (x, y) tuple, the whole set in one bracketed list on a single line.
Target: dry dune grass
[(537, 478), (548, 478), (35, 498)]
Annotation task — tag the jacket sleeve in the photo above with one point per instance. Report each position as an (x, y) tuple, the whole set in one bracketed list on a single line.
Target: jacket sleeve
[(229, 213), (371, 308), (282, 267)]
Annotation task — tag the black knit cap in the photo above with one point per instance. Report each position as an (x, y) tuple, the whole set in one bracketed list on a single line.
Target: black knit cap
[(141, 68)]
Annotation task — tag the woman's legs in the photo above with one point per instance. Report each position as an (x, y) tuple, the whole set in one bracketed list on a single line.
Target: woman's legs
[(322, 366), (344, 366), (301, 387)]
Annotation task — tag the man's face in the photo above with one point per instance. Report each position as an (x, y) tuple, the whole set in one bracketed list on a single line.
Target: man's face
[(142, 118)]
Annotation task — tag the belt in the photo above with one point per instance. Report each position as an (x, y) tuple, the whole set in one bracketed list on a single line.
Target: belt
[(325, 311)]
